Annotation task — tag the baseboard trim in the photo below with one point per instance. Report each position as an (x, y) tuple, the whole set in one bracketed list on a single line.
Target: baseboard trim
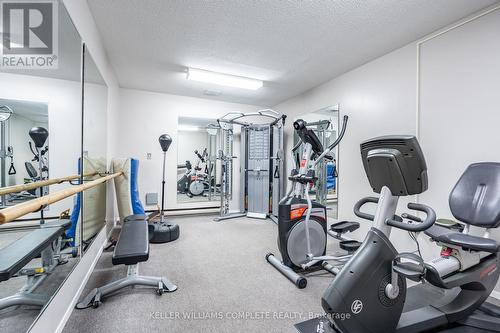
[(64, 300)]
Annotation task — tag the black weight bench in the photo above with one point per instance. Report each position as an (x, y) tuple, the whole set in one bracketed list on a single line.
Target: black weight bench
[(15, 256), (131, 248)]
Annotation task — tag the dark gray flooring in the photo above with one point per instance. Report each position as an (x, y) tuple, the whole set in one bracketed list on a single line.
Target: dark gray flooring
[(220, 270)]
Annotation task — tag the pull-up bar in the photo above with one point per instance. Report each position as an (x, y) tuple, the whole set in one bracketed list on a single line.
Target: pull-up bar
[(12, 213), (41, 183)]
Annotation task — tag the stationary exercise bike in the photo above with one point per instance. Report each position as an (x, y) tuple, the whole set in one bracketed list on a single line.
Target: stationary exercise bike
[(370, 293), (302, 223)]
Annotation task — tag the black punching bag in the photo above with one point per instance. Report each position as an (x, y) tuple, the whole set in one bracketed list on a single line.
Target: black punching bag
[(39, 135), (165, 141)]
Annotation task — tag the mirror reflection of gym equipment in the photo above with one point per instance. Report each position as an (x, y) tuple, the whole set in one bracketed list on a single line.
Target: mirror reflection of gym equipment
[(325, 124), (197, 167), (22, 162)]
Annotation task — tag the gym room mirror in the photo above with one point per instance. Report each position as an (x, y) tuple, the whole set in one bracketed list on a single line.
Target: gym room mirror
[(39, 106), (325, 123), (95, 98), (197, 163)]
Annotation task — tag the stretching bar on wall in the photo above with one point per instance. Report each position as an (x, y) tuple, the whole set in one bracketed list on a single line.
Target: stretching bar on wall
[(34, 185), (12, 213)]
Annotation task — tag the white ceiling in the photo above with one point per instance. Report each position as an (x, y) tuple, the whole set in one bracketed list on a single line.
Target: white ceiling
[(293, 45)]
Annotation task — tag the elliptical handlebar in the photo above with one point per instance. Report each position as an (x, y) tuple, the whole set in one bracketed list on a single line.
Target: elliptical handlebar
[(419, 226), (361, 202), (200, 156), (335, 143)]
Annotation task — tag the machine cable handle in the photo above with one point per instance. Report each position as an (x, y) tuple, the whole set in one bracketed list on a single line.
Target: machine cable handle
[(12, 169), (426, 224), (361, 203), (335, 143)]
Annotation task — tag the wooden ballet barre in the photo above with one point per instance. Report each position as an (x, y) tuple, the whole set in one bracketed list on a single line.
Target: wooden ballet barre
[(14, 212), (41, 183)]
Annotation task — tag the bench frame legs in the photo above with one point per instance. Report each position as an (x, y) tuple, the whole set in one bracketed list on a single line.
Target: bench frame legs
[(50, 260), (133, 279)]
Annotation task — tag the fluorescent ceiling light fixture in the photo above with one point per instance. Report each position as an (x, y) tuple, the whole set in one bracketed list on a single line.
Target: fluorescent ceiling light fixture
[(188, 128), (227, 80)]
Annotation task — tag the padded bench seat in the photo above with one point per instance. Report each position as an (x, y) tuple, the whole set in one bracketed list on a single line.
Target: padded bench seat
[(132, 246), (18, 254)]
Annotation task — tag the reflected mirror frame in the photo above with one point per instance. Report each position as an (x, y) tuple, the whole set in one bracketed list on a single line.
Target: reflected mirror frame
[(80, 160)]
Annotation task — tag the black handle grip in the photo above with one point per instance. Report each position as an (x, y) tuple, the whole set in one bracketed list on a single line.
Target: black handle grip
[(199, 156), (362, 202), (416, 227)]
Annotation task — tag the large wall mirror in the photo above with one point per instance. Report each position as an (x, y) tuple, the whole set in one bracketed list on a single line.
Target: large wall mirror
[(197, 163), (325, 123), (40, 138)]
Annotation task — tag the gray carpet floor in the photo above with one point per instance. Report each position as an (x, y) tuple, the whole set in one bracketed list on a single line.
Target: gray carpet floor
[(224, 285)]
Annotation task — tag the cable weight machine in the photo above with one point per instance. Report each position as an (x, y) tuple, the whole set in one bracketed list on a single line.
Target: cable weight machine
[(261, 163)]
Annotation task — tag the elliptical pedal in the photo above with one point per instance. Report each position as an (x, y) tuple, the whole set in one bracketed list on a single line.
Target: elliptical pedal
[(344, 227), (350, 246)]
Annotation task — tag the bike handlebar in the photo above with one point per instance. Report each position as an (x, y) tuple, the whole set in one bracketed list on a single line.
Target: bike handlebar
[(362, 202), (419, 226)]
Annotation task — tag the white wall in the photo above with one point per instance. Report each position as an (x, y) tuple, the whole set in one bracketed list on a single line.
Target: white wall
[(460, 104), (95, 120), (144, 116), (188, 142), (460, 80)]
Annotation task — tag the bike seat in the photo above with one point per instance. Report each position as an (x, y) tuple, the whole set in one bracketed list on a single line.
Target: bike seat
[(349, 245), (344, 226), (466, 241)]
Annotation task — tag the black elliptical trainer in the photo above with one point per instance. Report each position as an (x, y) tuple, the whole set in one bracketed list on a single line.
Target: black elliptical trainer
[(302, 223), (164, 231)]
